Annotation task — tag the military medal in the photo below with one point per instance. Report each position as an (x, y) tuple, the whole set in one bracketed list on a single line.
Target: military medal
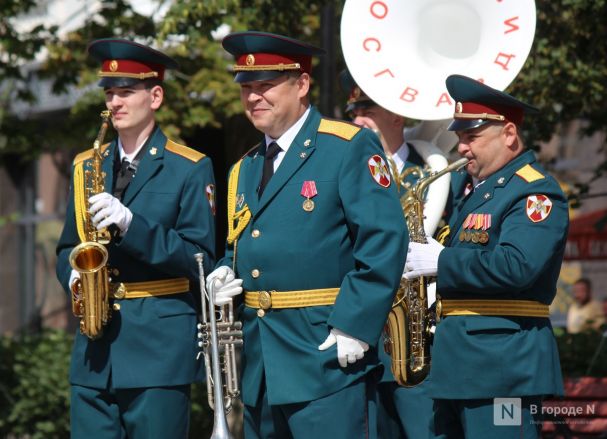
[(308, 190), (475, 228)]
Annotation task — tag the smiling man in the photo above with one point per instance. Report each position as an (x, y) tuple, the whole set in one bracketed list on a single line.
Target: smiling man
[(134, 380), (496, 277), (317, 238)]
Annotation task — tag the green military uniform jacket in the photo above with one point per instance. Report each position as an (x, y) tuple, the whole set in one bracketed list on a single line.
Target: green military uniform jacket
[(150, 341), (354, 239), (475, 357)]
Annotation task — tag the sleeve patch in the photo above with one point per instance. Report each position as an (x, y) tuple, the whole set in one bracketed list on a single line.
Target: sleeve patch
[(210, 190), (529, 174), (538, 207), (379, 170), (184, 151), (343, 130)]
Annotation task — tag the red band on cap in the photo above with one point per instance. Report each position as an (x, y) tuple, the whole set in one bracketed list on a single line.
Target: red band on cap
[(273, 61), (512, 114), (131, 69)]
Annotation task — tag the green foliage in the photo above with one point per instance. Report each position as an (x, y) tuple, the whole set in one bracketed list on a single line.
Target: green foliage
[(34, 391), (583, 354), (566, 72), (34, 388)]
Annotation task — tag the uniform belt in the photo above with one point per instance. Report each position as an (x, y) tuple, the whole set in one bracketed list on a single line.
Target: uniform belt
[(136, 290), (517, 308), (290, 299)]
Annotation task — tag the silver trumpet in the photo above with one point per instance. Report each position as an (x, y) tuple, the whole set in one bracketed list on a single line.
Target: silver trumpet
[(218, 335)]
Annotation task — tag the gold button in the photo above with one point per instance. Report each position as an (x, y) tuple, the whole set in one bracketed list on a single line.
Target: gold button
[(115, 272), (255, 233), (116, 306), (255, 273), (261, 313)]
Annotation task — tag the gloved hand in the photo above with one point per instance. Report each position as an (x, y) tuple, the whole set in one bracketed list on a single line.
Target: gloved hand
[(223, 285), (74, 276), (422, 259), (349, 349), (107, 210)]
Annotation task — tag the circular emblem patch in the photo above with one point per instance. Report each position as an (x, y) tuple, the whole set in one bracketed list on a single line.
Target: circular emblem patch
[(113, 65), (379, 170), (538, 207)]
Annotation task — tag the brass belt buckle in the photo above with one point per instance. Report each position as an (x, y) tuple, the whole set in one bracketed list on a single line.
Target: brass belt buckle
[(119, 291), (439, 309), (265, 302)]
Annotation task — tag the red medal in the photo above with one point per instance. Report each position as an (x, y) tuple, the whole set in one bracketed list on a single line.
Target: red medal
[(308, 190)]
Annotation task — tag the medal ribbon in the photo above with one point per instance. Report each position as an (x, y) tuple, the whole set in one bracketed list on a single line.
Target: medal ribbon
[(308, 189)]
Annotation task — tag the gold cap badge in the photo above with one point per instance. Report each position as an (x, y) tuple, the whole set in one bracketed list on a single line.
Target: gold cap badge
[(250, 59), (113, 65)]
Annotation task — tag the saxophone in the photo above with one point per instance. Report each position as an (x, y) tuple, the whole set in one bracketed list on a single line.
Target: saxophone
[(91, 293), (407, 330)]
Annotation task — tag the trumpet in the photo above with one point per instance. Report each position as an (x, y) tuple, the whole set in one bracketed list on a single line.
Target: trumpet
[(218, 336)]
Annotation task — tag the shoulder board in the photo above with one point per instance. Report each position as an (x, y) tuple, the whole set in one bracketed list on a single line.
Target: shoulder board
[(339, 128), (85, 155), (184, 151), (529, 174)]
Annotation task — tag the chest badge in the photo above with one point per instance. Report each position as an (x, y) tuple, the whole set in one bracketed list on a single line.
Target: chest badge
[(308, 190)]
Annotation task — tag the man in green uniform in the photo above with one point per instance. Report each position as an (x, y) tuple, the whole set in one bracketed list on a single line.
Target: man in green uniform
[(494, 355), (317, 237), (134, 379)]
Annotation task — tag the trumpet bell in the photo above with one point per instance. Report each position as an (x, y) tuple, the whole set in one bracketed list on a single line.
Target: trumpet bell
[(401, 52)]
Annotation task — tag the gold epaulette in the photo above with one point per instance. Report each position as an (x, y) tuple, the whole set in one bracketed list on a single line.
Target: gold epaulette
[(184, 151), (529, 174), (85, 155), (341, 129)]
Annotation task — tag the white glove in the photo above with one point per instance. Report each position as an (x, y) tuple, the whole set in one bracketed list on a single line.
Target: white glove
[(422, 259), (223, 285), (107, 210), (349, 349), (74, 276)]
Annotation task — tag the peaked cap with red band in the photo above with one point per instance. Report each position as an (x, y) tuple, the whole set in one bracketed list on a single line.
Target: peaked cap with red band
[(478, 104), (125, 63), (263, 56)]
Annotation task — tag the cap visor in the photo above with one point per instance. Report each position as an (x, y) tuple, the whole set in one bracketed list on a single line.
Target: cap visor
[(361, 104), (108, 82), (264, 75), (466, 124)]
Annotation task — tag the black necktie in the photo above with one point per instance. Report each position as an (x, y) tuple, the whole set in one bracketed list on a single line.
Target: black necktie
[(268, 166), (124, 177)]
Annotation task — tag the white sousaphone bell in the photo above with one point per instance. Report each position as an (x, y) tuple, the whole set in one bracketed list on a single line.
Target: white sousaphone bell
[(400, 52)]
